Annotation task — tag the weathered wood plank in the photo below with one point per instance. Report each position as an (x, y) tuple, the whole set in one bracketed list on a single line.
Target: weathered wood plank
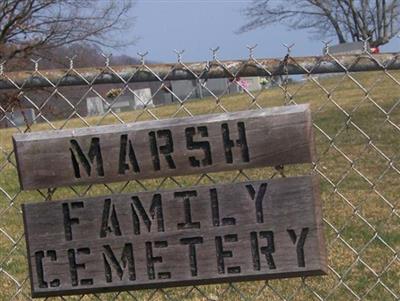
[(199, 235), (161, 148)]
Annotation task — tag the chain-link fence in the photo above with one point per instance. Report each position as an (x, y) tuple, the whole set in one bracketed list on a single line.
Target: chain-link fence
[(355, 100)]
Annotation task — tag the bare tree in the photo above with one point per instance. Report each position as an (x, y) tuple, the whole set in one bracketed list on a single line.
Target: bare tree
[(30, 26), (53, 29), (348, 20)]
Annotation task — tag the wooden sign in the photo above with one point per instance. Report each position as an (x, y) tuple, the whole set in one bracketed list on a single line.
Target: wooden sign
[(161, 148), (199, 235)]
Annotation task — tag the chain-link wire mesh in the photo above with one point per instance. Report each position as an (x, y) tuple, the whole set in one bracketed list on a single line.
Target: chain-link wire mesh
[(355, 102)]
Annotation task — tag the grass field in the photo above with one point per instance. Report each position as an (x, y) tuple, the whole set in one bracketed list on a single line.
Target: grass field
[(358, 137)]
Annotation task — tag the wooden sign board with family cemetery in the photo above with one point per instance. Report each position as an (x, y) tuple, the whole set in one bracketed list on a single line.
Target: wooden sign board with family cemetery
[(197, 235)]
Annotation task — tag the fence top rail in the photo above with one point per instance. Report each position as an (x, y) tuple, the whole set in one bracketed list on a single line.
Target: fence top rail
[(199, 70)]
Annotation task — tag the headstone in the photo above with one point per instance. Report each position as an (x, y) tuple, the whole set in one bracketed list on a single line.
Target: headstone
[(143, 98), (94, 106), (253, 83)]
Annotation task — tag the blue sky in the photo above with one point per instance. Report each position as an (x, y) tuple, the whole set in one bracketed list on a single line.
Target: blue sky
[(197, 25)]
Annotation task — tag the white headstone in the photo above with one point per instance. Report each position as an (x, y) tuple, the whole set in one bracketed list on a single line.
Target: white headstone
[(142, 98), (94, 106)]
